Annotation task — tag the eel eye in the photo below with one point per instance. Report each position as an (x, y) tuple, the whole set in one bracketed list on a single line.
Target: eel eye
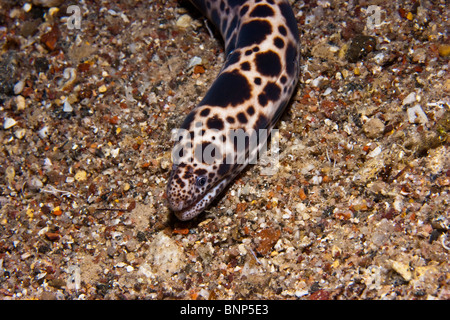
[(201, 181)]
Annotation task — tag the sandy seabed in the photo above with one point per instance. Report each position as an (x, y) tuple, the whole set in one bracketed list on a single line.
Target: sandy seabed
[(358, 207)]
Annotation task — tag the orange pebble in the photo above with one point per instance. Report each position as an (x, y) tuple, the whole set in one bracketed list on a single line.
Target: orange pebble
[(302, 194), (57, 211)]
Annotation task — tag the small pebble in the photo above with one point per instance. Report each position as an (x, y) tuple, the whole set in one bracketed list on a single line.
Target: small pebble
[(52, 236), (416, 115), (27, 7), (80, 175), (198, 69), (301, 293), (50, 39), (375, 152), (444, 50), (267, 239), (402, 269), (380, 58), (43, 133), (316, 82), (70, 179), (184, 21), (20, 133), (410, 98), (114, 153), (360, 46), (35, 184), (29, 28), (57, 211), (124, 17), (165, 256), (102, 89), (328, 91), (9, 123), (194, 61), (419, 55), (18, 87), (131, 245), (67, 107), (10, 173), (165, 163), (447, 85), (373, 128), (129, 268), (20, 103)]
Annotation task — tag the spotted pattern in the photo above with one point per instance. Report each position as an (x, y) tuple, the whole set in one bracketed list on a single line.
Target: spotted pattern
[(250, 93)]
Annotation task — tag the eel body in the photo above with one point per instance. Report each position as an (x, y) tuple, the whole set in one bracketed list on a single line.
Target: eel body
[(228, 128)]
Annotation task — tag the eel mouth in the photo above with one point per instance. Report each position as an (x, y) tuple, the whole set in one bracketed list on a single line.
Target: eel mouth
[(188, 213), (194, 208)]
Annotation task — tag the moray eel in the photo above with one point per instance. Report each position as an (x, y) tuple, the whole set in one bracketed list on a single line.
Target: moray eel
[(221, 135)]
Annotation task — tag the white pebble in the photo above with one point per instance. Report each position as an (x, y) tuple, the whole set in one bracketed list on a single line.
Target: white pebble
[(306, 169), (347, 128), (70, 179), (20, 133), (287, 215), (194, 61), (301, 293), (124, 17), (328, 91), (316, 180), (316, 81), (18, 87), (300, 207), (27, 7), (115, 152), (129, 268), (410, 98), (43, 133), (416, 115), (9, 122), (310, 19), (204, 293), (379, 58), (48, 164), (67, 107), (375, 152), (242, 249)]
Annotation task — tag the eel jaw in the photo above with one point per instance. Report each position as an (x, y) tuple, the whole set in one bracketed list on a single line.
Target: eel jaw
[(194, 208)]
